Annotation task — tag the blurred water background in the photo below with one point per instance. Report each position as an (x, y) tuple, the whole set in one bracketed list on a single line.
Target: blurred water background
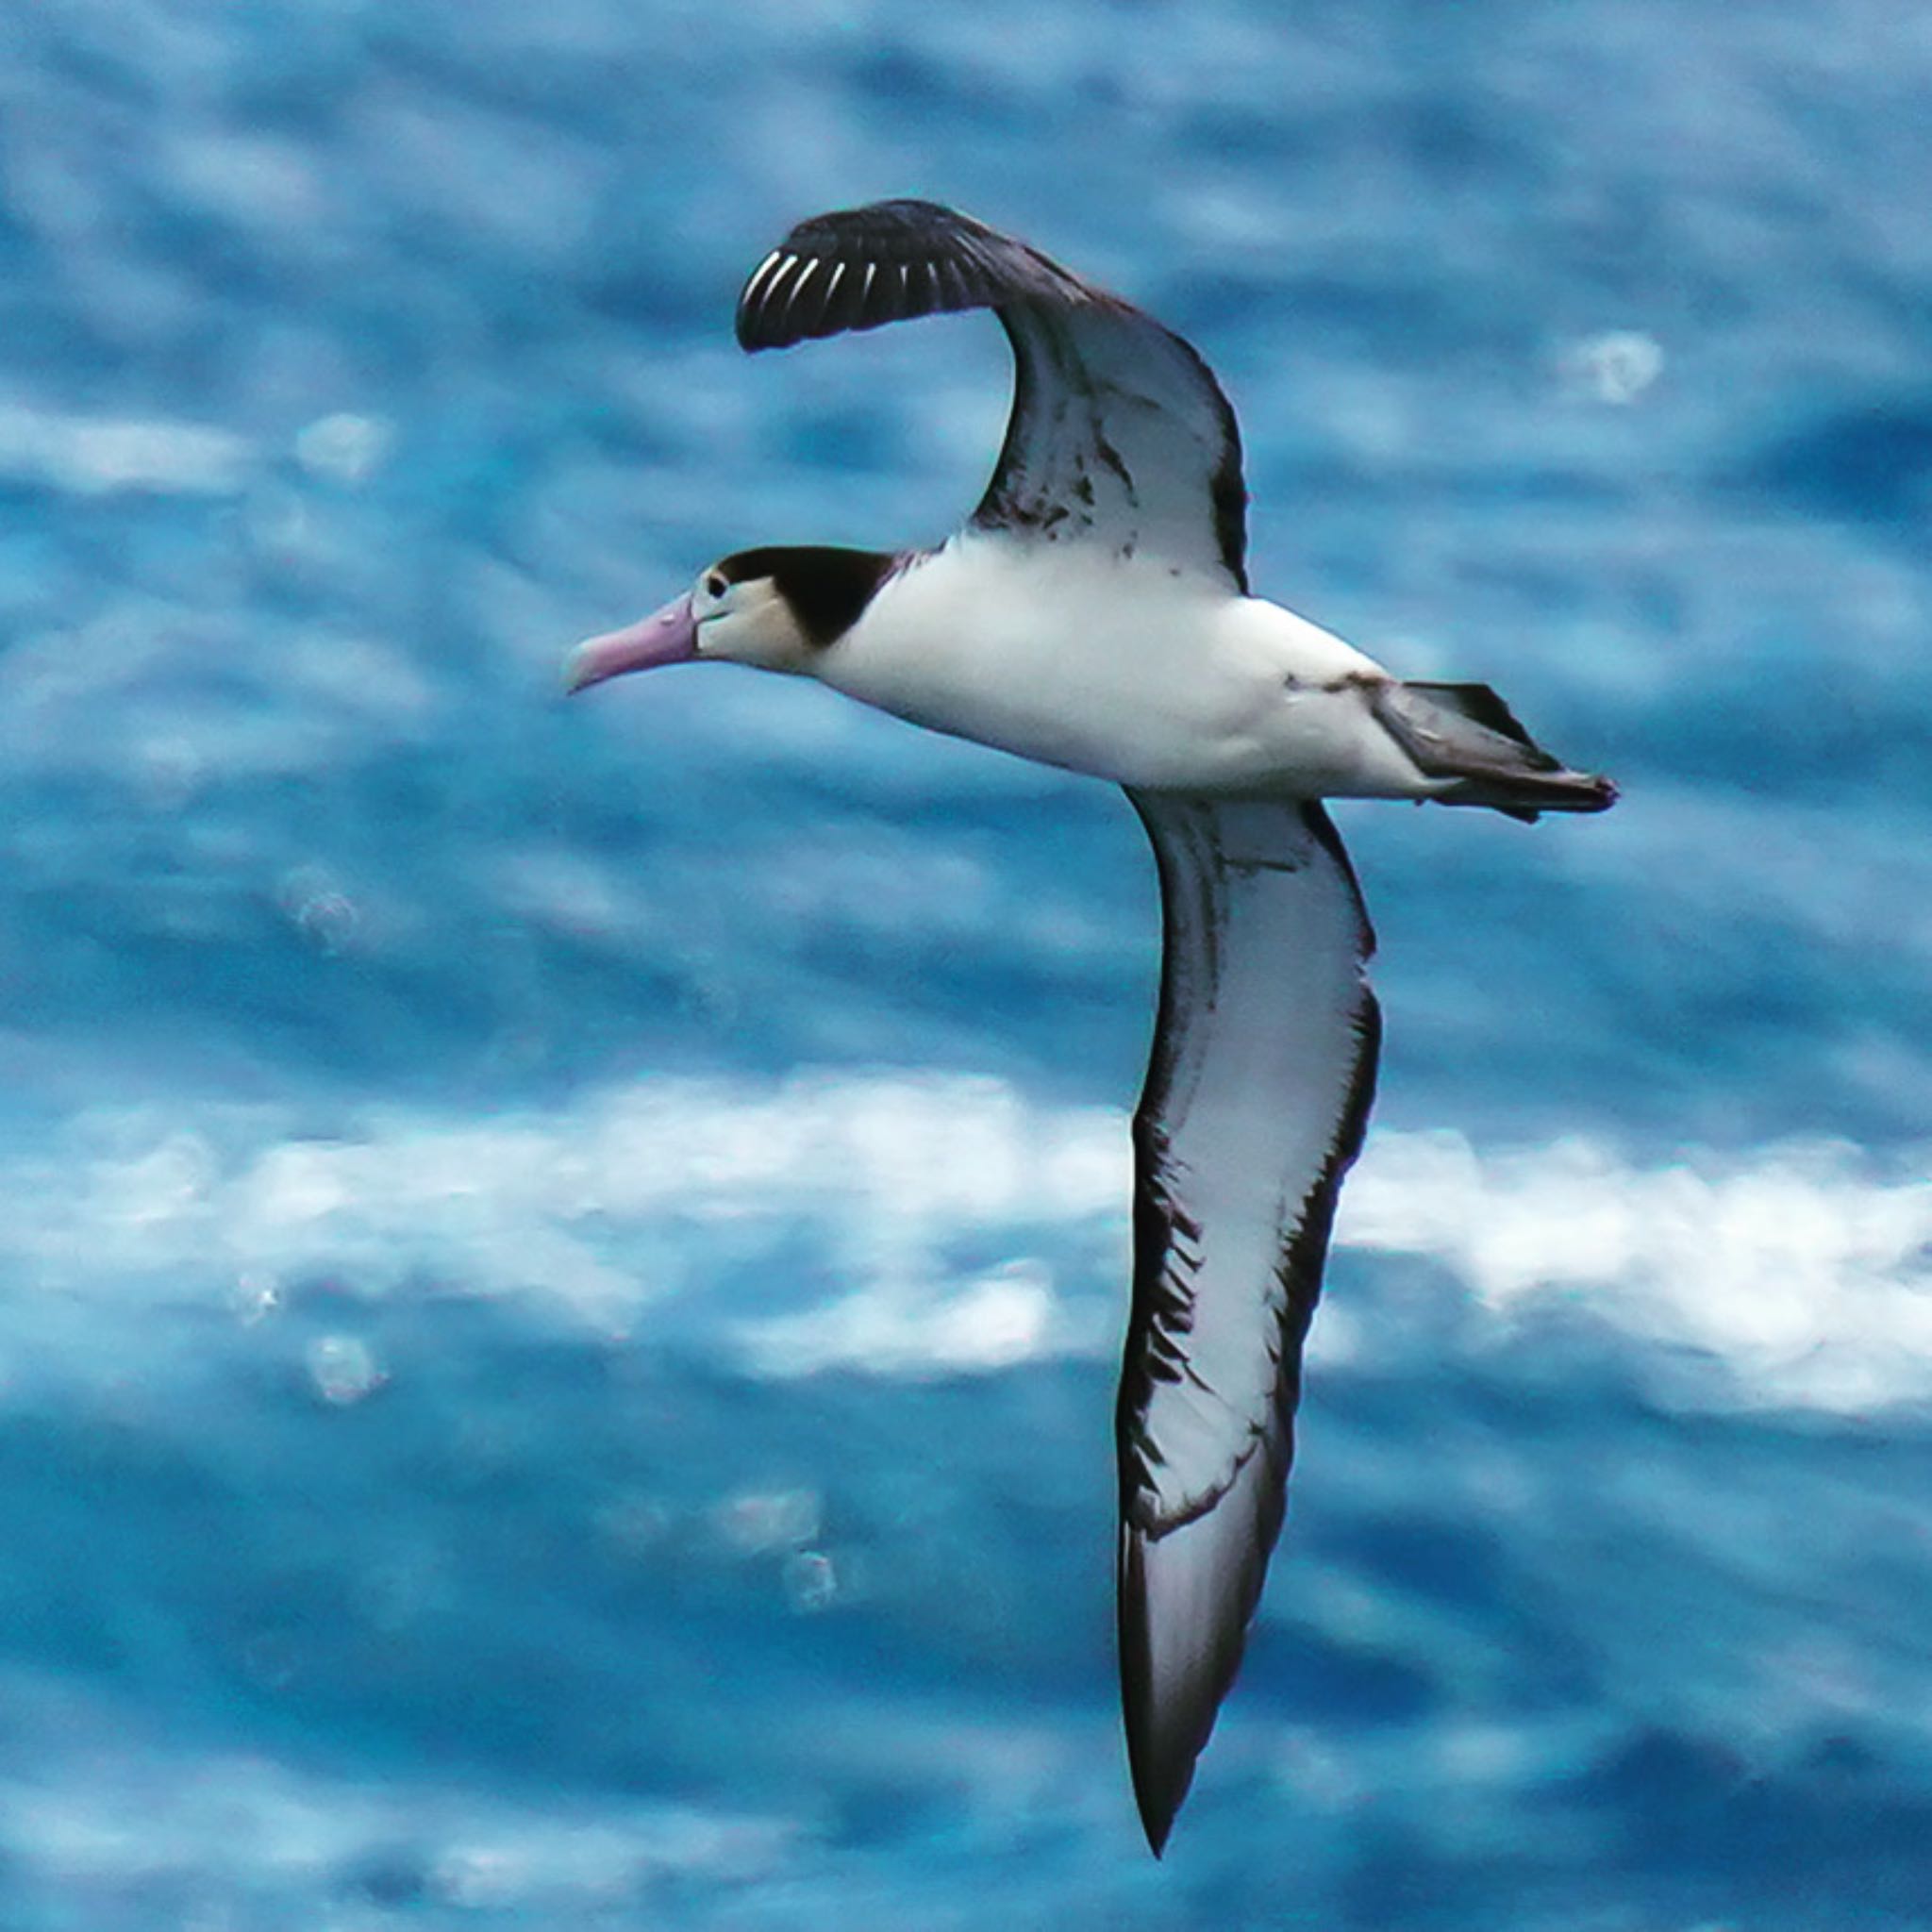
[(560, 1265)]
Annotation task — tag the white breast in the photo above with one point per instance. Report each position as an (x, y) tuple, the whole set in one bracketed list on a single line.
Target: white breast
[(1119, 668)]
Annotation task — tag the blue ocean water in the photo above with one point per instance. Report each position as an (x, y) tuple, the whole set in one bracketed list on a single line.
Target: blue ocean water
[(559, 1264)]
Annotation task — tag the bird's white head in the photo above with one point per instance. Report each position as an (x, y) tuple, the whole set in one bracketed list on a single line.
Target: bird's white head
[(777, 609)]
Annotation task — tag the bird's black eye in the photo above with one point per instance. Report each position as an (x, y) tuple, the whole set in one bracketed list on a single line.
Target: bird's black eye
[(715, 585)]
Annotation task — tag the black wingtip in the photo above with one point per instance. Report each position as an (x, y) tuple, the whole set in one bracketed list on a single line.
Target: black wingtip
[(1158, 1795), (1157, 1825), (860, 268), (1167, 1726)]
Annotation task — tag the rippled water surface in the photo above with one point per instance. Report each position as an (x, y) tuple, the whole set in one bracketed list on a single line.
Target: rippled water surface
[(559, 1264)]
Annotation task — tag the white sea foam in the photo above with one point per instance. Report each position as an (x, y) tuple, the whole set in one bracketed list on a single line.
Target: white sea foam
[(139, 1820), (1007, 1316), (95, 456), (1616, 367), (1802, 1274)]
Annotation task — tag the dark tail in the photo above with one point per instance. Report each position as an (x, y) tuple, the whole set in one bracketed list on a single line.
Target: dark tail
[(1466, 732)]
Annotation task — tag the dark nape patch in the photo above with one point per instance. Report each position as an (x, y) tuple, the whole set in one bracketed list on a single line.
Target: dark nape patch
[(828, 587)]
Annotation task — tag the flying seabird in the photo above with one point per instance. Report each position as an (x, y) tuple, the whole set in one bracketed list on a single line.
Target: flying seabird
[(1093, 613)]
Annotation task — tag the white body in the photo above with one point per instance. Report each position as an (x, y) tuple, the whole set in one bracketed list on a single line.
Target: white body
[(1121, 669)]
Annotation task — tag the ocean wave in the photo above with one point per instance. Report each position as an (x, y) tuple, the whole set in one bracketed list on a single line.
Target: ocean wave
[(146, 1824), (957, 1224), (99, 456)]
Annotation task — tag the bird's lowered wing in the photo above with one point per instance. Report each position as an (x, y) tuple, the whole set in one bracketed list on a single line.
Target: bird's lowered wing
[(1262, 1072), (1119, 435)]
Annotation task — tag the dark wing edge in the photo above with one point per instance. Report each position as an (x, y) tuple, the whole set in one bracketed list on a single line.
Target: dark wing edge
[(895, 260), (1263, 986), (892, 261)]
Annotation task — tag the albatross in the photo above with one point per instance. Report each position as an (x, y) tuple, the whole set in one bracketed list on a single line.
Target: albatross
[(1095, 613)]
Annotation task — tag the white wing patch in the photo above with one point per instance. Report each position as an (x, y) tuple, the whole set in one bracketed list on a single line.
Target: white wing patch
[(1257, 1097), (798, 287), (759, 274)]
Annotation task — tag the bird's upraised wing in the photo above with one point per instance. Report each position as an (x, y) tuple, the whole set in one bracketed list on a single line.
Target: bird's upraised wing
[(1119, 435), (1257, 1094)]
